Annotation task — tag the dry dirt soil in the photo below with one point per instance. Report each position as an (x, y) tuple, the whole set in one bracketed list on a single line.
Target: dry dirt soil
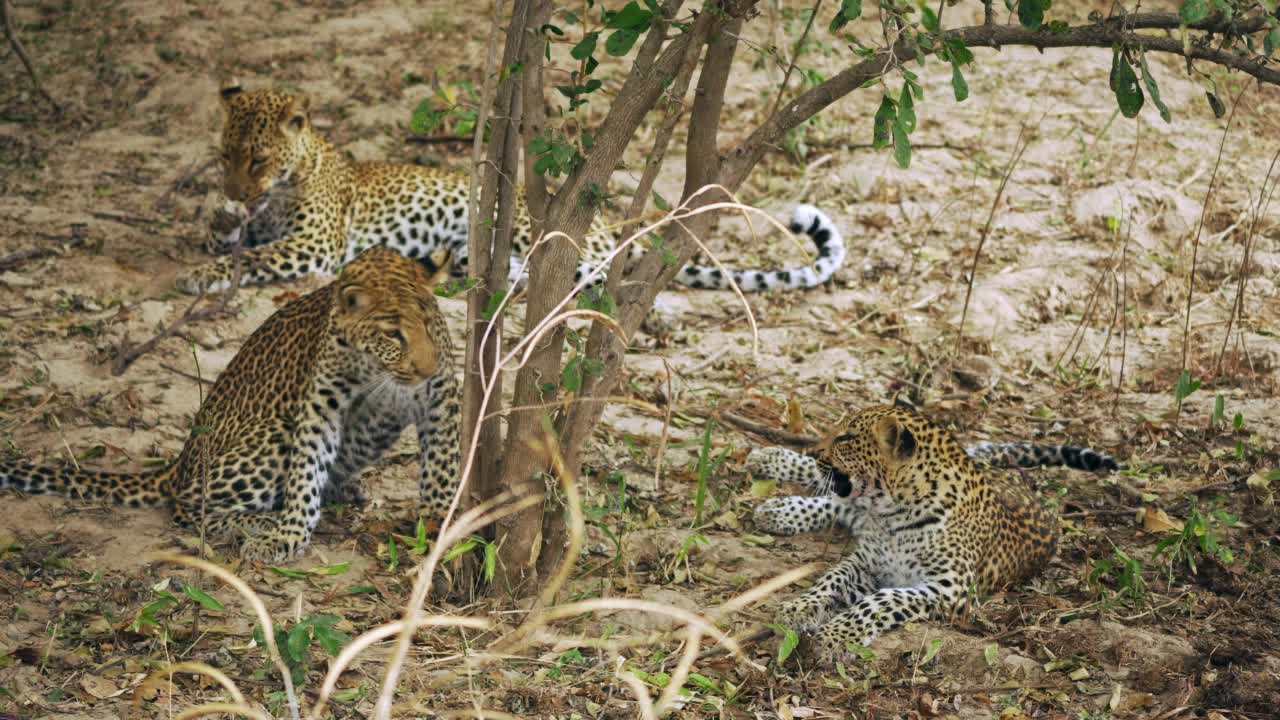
[(1077, 330)]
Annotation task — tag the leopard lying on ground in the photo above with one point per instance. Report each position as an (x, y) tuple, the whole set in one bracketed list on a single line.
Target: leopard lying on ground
[(317, 393), (930, 523), (310, 210)]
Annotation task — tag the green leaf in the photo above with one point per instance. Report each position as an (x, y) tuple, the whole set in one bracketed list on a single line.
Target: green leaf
[(425, 118), (1271, 42), (620, 42), (1031, 12), (957, 52), (1125, 84), (571, 376), (1194, 11), (901, 146), (929, 18), (331, 640), (490, 561), (1185, 386), (205, 599), (790, 641), (934, 646), (334, 569), (495, 302), (1237, 422), (289, 572), (885, 117), (585, 47), (299, 638), (1216, 104), (991, 653), (907, 110), (460, 548), (393, 555), (849, 11), (958, 85), (1152, 89), (630, 17), (660, 202)]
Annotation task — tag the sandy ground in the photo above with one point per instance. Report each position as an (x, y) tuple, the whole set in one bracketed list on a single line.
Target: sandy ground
[(1074, 332)]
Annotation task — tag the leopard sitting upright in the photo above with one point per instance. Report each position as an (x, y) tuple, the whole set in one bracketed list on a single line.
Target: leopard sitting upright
[(309, 210), (317, 393), (930, 523)]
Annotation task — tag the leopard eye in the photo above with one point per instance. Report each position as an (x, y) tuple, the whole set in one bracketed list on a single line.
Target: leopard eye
[(257, 164), (395, 335)]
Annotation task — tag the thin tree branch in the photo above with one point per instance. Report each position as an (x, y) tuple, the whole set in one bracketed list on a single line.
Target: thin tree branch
[(6, 16), (744, 157)]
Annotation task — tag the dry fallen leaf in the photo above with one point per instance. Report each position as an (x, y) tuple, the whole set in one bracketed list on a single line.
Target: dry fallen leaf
[(795, 416), (1155, 520), (100, 688)]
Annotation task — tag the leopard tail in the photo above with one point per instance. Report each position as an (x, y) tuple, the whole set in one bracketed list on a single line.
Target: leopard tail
[(805, 219), (148, 488)]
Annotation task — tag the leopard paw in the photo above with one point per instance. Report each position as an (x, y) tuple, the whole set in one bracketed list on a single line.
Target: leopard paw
[(776, 516), (350, 492), (203, 279), (802, 614), (272, 547), (226, 226)]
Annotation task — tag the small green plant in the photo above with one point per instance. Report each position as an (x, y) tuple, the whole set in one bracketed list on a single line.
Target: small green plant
[(1199, 536), (490, 552), (610, 515), (418, 545), (453, 106), (168, 605), (295, 642), (1185, 386), (571, 660), (1122, 572)]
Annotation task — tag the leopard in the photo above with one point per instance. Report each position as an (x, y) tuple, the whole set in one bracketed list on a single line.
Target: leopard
[(934, 521), (316, 394), (296, 206)]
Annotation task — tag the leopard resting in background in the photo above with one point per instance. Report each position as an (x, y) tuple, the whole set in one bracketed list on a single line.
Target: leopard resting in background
[(317, 393), (312, 211), (930, 523)]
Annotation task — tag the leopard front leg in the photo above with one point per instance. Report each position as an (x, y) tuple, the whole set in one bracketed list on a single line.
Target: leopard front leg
[(258, 266), (883, 610), (438, 417), (368, 431), (839, 587), (783, 465), (794, 514), (315, 446)]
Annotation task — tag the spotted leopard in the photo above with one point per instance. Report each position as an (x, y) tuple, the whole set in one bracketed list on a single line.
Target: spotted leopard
[(317, 393), (309, 210), (930, 522)]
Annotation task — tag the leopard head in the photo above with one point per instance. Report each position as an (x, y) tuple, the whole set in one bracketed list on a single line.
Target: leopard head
[(895, 453), (266, 136), (384, 308)]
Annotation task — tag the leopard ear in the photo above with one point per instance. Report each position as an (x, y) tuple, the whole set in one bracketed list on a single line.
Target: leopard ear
[(229, 90), (295, 117), (903, 403), (896, 438), (437, 266)]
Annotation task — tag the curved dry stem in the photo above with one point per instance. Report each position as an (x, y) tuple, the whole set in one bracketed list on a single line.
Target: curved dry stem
[(643, 698), (693, 640), (762, 591), (366, 639), (198, 668), (259, 609), (222, 709), (473, 519), (478, 714)]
